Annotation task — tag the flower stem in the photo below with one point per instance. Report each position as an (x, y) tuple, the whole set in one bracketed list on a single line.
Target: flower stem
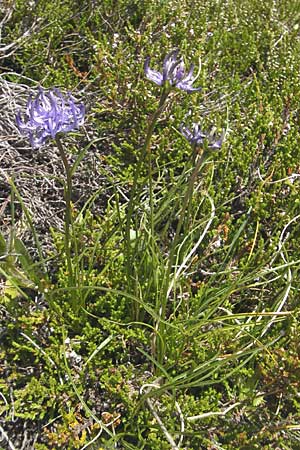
[(68, 212), (161, 324), (145, 153)]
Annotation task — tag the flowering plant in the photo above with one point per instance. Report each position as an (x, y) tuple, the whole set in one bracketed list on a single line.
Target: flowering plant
[(198, 138), (48, 114), (173, 73)]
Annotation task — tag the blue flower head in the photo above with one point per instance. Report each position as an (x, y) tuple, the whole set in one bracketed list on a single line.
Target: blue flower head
[(47, 114), (173, 73), (198, 138)]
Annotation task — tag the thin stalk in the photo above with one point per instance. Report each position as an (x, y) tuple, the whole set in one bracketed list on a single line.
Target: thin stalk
[(151, 201), (146, 152), (160, 325), (186, 202), (68, 213), (12, 234)]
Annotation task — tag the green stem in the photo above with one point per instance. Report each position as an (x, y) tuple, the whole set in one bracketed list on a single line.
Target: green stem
[(160, 326), (68, 213), (187, 200), (146, 151)]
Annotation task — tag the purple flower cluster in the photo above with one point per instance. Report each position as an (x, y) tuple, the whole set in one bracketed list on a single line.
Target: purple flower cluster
[(48, 114), (173, 73), (198, 138)]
